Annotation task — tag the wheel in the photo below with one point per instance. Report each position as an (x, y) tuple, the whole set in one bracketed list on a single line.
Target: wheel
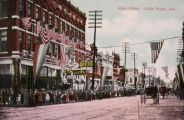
[(157, 99), (142, 98)]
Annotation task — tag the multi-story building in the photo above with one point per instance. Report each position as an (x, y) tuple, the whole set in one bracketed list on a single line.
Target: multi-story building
[(17, 44)]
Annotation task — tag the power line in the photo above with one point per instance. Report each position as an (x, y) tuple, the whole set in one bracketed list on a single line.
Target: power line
[(142, 42)]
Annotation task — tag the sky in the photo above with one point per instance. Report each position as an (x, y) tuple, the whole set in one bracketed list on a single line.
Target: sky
[(136, 21)]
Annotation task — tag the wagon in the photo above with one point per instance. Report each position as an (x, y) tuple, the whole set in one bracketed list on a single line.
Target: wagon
[(150, 92), (163, 91)]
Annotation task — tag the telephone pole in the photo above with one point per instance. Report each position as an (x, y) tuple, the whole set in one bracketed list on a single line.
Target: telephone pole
[(96, 18), (126, 49), (135, 56), (183, 43), (144, 64)]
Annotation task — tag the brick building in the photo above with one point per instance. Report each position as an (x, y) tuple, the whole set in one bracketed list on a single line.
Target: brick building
[(17, 44)]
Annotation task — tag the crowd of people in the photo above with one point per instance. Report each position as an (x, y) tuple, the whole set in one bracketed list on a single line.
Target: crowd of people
[(25, 97)]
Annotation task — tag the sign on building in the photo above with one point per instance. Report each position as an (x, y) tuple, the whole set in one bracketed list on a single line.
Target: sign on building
[(75, 72), (86, 64)]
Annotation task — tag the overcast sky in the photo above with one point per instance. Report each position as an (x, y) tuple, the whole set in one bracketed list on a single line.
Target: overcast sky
[(138, 21)]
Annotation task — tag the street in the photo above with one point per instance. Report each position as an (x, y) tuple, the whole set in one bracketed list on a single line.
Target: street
[(121, 108)]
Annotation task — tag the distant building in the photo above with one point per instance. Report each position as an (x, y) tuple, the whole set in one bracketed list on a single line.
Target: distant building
[(132, 77)]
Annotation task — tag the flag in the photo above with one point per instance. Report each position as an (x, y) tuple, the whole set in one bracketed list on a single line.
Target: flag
[(104, 74), (155, 50), (165, 69), (39, 57), (26, 22)]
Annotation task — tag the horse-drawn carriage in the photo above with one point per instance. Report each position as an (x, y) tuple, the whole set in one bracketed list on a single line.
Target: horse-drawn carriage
[(164, 91), (150, 92)]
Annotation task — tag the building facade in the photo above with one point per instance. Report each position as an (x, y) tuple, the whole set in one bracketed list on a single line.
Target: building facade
[(17, 44), (62, 63)]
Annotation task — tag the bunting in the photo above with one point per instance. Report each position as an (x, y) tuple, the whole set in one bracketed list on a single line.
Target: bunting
[(40, 50), (45, 36), (155, 50), (39, 57), (26, 22)]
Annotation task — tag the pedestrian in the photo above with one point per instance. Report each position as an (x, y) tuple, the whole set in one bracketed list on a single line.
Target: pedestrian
[(40, 97), (1, 97)]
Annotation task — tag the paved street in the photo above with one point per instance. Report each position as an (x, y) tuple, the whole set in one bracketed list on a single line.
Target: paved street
[(122, 108)]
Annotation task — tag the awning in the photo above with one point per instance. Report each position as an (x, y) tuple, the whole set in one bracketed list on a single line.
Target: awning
[(56, 67), (4, 62), (95, 79), (28, 63)]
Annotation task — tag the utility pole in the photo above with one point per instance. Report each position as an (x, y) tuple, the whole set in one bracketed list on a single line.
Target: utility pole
[(144, 64), (96, 18), (183, 43), (126, 49), (135, 78)]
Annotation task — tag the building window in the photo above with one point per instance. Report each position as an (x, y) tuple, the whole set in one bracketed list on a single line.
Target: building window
[(74, 33), (29, 41), (3, 41), (50, 52), (67, 29), (29, 8), (3, 8), (21, 8), (56, 51), (20, 40), (37, 14), (56, 23), (82, 37), (44, 16), (61, 27), (50, 19), (79, 36)]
